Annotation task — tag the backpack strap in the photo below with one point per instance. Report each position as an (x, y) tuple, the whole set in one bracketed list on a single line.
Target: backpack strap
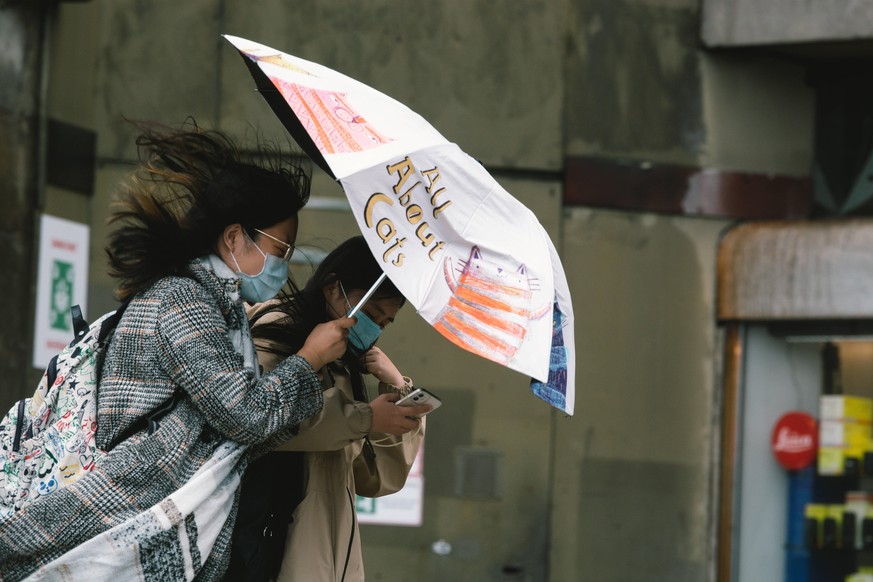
[(19, 425), (110, 323), (153, 418), (80, 326), (150, 421)]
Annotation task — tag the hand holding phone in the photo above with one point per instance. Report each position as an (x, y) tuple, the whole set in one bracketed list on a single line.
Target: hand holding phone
[(420, 396)]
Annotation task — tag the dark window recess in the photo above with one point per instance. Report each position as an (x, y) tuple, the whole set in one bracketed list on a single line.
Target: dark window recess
[(70, 157), (843, 167)]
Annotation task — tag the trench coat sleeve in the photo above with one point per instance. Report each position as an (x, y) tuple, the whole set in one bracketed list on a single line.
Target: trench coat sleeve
[(340, 420), (386, 471), (196, 353)]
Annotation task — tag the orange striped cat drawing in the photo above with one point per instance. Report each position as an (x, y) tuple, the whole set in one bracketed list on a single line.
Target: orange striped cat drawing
[(490, 307)]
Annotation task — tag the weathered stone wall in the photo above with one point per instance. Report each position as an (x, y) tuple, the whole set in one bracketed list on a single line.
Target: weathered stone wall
[(21, 67)]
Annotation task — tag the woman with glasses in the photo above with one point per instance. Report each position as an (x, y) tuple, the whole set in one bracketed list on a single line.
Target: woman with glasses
[(198, 232)]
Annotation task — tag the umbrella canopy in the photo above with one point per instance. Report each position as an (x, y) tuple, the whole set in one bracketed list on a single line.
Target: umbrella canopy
[(475, 262)]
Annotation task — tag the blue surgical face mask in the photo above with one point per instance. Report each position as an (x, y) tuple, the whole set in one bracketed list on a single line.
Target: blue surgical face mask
[(365, 332), (266, 284)]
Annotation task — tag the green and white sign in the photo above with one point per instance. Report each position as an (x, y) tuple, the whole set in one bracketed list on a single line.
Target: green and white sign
[(401, 508), (63, 276), (62, 281)]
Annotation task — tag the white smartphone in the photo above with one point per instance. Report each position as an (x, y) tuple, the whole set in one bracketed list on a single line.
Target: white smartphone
[(420, 396)]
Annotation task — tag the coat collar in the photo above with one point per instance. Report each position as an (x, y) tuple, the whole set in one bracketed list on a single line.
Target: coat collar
[(223, 284)]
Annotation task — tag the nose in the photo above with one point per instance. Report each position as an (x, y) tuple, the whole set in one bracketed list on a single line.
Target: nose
[(382, 321)]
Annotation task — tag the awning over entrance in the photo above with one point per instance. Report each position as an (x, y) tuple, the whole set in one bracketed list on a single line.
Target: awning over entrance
[(796, 270)]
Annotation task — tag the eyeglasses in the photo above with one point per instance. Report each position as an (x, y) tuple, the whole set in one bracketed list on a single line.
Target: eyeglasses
[(288, 252)]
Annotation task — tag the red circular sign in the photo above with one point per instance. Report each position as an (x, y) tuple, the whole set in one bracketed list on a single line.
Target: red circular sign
[(794, 441)]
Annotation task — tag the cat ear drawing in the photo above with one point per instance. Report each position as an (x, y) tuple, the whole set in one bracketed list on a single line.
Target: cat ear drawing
[(451, 279), (447, 271)]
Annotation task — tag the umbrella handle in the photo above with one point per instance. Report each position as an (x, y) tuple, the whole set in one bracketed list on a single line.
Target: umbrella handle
[(367, 295)]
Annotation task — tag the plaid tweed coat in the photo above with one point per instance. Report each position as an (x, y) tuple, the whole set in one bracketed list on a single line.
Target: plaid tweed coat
[(175, 334)]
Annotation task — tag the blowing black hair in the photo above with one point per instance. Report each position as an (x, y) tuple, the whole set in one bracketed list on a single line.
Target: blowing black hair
[(354, 266), (190, 185)]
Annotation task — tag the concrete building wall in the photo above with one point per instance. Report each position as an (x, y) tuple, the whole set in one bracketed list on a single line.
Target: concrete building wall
[(621, 491), (770, 22), (639, 87), (632, 496), (633, 87)]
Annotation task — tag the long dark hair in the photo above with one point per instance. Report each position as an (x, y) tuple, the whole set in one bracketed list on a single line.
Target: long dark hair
[(354, 266), (190, 185)]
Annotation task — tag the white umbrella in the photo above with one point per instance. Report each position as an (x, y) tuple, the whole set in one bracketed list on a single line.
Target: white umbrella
[(475, 262)]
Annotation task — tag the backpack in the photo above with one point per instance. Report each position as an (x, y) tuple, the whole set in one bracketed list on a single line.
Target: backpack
[(271, 489), (48, 441)]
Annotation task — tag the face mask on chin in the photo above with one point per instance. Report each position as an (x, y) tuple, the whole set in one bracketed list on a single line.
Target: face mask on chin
[(267, 283)]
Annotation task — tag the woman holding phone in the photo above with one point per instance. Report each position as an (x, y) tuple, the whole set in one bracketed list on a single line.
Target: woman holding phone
[(356, 445)]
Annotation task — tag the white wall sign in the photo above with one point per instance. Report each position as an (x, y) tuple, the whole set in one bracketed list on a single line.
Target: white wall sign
[(62, 281), (401, 508)]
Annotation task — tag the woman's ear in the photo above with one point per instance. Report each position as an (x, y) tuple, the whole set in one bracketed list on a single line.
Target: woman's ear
[(231, 236), (332, 290)]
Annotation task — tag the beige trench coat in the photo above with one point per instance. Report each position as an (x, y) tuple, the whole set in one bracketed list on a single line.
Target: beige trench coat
[(324, 542)]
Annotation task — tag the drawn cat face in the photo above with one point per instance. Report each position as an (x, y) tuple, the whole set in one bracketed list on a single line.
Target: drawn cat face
[(478, 267)]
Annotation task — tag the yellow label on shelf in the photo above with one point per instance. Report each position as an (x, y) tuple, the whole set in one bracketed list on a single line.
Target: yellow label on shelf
[(842, 407), (844, 433)]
